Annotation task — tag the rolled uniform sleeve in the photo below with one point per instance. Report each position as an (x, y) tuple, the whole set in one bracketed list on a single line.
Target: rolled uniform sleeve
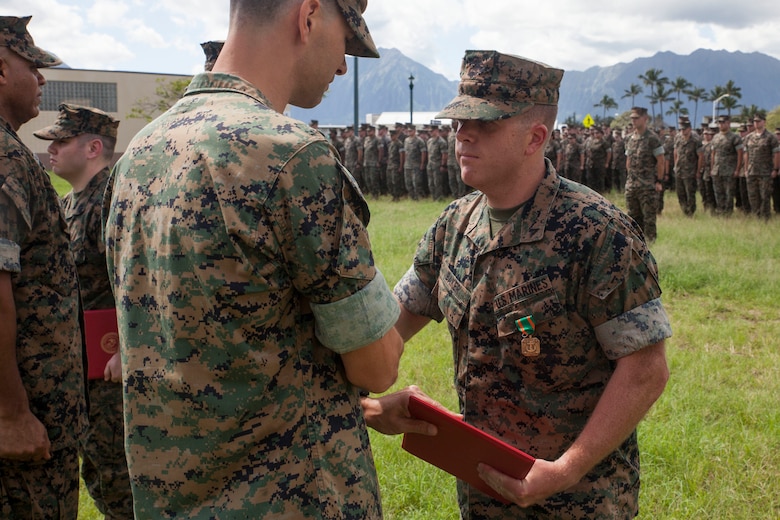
[(416, 297), (633, 330), (9, 256), (357, 320)]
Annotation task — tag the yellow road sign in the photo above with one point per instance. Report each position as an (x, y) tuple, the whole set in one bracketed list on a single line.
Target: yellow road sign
[(588, 121)]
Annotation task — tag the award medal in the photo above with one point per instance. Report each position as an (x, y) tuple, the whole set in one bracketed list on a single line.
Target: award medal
[(529, 345)]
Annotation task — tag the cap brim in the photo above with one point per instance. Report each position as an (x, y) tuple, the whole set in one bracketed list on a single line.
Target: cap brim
[(52, 133), (468, 107), (362, 47), (41, 58)]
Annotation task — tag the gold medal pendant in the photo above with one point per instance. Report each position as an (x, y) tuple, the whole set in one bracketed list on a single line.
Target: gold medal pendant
[(530, 346)]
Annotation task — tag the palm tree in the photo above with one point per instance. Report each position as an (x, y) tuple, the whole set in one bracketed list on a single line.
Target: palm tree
[(696, 94), (662, 95), (677, 109), (735, 93), (651, 78), (679, 85), (730, 103), (632, 91), (747, 113), (606, 103)]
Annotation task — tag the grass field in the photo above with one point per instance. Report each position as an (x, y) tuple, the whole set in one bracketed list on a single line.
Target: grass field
[(711, 445)]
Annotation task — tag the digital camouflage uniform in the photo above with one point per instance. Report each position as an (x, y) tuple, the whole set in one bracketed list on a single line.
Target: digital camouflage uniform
[(725, 150), (352, 148), (414, 176), (395, 175), (598, 153), (576, 265), (641, 175), (371, 165), (457, 186), (572, 160), (103, 461), (552, 149), (235, 236), (705, 186), (34, 248), (760, 148), (103, 466), (438, 183), (687, 152), (619, 164)]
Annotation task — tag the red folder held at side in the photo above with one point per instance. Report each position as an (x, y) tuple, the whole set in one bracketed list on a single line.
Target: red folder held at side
[(100, 329), (459, 447)]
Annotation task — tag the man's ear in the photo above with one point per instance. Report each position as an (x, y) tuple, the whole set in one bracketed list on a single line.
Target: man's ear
[(539, 133), (3, 70), (308, 15), (94, 148)]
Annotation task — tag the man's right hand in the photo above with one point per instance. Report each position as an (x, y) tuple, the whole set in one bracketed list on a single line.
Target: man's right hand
[(24, 438)]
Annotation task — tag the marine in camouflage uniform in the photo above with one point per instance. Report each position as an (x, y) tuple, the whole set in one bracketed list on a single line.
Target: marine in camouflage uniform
[(644, 173), (395, 173), (599, 154), (246, 292), (438, 184), (83, 141), (573, 159), (618, 162), (42, 402), (371, 162), (457, 187), (762, 153), (705, 186), (554, 151), (725, 164), (687, 165), (565, 268), (351, 155), (415, 154)]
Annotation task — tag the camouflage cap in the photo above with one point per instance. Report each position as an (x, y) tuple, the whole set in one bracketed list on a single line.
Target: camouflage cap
[(498, 86), (362, 44), (14, 35), (75, 120), (211, 49)]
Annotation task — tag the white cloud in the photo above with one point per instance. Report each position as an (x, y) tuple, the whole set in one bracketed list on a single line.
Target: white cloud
[(164, 35)]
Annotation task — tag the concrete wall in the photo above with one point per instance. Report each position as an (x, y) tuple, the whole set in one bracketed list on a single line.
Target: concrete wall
[(130, 88)]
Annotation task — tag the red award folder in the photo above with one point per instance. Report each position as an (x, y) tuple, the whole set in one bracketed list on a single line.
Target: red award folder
[(102, 339), (458, 447)]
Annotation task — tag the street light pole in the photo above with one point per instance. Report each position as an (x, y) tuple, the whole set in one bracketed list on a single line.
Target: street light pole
[(411, 99), (715, 105), (356, 105)]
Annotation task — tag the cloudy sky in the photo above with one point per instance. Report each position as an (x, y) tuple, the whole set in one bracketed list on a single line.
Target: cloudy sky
[(164, 35)]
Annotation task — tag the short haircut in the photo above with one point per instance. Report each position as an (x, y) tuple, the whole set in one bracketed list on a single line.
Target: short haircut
[(256, 11)]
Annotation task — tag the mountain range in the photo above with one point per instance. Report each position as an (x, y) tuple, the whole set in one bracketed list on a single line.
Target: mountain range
[(384, 85)]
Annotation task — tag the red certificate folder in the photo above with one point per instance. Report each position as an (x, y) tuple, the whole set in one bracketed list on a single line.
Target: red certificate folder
[(458, 447), (102, 339)]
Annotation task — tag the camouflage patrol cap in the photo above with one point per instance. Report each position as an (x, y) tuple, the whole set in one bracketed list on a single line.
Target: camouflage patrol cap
[(14, 35), (211, 49), (498, 86), (75, 120), (362, 44)]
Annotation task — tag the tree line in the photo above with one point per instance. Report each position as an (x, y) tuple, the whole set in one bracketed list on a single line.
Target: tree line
[(661, 92)]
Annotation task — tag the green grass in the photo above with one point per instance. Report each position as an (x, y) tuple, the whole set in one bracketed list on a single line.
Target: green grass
[(711, 445)]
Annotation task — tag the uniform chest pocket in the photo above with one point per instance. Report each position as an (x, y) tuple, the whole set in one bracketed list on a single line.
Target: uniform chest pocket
[(536, 299)]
